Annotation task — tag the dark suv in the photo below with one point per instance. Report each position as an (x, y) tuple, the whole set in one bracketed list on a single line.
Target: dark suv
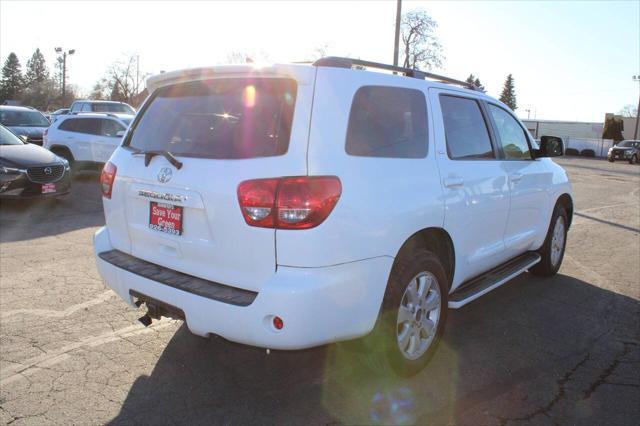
[(626, 150)]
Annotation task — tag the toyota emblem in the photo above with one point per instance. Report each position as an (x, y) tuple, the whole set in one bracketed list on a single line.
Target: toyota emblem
[(165, 175), (48, 170)]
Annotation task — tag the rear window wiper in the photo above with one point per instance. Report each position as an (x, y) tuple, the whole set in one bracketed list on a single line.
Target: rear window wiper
[(148, 155)]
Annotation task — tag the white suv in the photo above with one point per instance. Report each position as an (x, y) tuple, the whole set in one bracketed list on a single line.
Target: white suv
[(86, 140), (291, 206)]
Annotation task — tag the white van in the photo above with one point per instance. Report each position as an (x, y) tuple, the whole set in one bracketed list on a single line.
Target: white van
[(291, 206)]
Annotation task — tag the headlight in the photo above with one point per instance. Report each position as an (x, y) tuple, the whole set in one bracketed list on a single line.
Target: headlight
[(610, 149), (65, 163), (11, 170)]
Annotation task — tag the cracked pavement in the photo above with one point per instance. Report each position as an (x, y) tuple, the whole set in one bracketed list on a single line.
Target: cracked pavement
[(564, 350)]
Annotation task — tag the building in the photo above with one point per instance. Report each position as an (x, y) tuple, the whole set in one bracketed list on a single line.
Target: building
[(566, 129)]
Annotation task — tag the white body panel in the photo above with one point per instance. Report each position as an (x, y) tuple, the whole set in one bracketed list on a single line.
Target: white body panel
[(327, 283)]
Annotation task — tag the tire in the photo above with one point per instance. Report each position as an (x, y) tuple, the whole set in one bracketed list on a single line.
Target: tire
[(633, 159), (611, 160), (422, 329), (552, 251), (66, 154)]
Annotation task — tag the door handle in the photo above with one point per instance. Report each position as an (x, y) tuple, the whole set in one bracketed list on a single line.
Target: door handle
[(516, 177), (453, 182)]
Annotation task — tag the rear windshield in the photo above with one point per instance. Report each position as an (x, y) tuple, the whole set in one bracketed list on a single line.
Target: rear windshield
[(23, 118), (220, 119), (110, 107)]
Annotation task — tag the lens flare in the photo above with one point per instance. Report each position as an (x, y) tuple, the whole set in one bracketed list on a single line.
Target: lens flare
[(249, 96)]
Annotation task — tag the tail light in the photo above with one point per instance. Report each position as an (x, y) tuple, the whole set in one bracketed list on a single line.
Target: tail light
[(106, 179), (289, 203)]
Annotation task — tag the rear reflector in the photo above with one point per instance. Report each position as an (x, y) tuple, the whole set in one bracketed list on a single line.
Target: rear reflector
[(290, 202), (106, 179)]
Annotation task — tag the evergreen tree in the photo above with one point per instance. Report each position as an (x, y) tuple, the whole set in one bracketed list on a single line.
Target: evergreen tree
[(475, 81), (37, 71), (508, 95), (12, 82), (39, 89)]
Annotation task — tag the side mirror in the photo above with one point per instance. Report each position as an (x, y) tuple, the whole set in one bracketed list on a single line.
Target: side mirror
[(120, 133), (23, 138), (550, 146)]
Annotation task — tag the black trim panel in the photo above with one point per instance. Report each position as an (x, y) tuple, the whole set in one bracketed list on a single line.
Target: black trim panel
[(175, 279)]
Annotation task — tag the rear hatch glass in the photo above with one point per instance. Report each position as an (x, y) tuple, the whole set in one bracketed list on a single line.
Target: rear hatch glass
[(230, 118)]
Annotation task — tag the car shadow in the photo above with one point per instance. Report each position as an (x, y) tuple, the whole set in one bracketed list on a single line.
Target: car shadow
[(501, 346), (29, 218)]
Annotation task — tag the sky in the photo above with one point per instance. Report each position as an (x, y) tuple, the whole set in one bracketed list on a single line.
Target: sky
[(570, 60)]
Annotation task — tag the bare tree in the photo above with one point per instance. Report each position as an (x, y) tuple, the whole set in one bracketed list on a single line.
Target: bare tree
[(122, 82), (629, 111), (421, 47), (246, 57)]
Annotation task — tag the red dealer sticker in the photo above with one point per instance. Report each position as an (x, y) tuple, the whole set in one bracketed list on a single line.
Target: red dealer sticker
[(165, 218), (48, 188)]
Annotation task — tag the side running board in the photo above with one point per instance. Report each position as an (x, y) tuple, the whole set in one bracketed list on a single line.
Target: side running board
[(476, 287)]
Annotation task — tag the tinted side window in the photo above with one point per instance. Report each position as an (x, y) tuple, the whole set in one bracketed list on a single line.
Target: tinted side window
[(90, 126), (512, 138), (86, 108), (465, 128), (69, 125), (76, 107), (110, 127), (387, 122)]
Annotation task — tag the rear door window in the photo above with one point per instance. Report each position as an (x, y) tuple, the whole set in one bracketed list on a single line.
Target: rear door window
[(231, 118), (90, 126), (465, 129), (387, 122)]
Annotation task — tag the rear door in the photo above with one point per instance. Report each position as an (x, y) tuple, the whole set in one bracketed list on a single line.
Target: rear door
[(79, 134), (223, 130), (476, 192)]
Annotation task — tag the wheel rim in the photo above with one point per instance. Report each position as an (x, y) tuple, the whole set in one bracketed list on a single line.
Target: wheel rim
[(557, 241), (418, 315)]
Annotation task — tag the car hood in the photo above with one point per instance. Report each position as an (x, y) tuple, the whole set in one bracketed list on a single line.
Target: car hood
[(27, 155), (27, 131)]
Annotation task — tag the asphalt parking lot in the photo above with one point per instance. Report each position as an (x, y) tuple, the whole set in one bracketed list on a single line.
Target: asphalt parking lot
[(564, 350)]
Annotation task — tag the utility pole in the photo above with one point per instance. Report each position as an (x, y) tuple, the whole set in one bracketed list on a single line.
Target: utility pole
[(64, 68), (396, 44), (635, 133)]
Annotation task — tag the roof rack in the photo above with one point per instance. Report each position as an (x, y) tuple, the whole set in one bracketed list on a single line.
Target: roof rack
[(339, 62)]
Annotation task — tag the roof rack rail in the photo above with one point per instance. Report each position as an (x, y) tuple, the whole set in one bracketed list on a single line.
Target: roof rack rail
[(339, 62)]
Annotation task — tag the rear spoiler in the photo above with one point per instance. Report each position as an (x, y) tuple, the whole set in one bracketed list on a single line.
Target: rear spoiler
[(196, 74)]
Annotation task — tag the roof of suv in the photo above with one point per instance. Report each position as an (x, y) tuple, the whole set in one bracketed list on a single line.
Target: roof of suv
[(119, 116), (93, 101), (354, 65)]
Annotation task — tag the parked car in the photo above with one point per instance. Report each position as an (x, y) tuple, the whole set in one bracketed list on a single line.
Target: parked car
[(231, 205), (86, 140), (102, 106), (28, 170), (57, 113), (628, 150), (24, 121)]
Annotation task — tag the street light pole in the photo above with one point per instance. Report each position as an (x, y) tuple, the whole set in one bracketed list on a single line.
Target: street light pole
[(635, 133), (396, 44), (64, 68)]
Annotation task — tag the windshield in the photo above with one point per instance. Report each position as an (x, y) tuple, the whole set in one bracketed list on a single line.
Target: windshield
[(109, 107), (8, 138), (23, 118), (219, 119), (629, 144)]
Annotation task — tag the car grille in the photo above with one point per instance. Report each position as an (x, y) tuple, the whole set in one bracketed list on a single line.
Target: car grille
[(45, 174)]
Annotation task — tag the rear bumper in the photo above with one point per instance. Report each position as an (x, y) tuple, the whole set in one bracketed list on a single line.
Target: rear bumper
[(317, 305)]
